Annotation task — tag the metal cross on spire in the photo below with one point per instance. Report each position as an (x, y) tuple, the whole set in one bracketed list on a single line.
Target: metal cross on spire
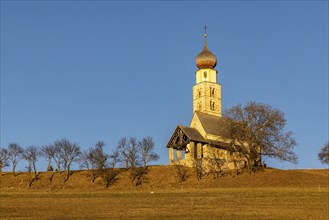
[(205, 30)]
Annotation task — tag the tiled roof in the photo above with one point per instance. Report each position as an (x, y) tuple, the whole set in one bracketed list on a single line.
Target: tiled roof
[(192, 134), (212, 124)]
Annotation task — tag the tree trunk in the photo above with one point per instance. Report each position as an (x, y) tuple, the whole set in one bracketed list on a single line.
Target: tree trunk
[(34, 169), (48, 164), (67, 173), (14, 167), (58, 167)]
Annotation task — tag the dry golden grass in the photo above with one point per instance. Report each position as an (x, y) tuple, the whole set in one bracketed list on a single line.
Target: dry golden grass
[(269, 194)]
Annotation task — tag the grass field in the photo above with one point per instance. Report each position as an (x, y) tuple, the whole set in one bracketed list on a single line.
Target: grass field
[(271, 194)]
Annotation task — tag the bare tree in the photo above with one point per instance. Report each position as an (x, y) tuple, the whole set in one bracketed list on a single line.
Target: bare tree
[(215, 167), (146, 148), (258, 129), (15, 152), (31, 154), (56, 154), (4, 156), (69, 153), (129, 152), (100, 157), (133, 153), (47, 151), (324, 154), (98, 160), (123, 150)]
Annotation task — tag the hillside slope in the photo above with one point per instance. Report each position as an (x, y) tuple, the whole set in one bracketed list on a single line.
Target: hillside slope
[(166, 177)]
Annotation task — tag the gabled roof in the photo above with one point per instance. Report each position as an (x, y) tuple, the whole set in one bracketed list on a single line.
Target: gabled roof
[(192, 134), (183, 135), (212, 124)]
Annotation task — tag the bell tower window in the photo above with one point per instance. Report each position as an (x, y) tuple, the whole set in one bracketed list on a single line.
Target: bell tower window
[(212, 105), (205, 74)]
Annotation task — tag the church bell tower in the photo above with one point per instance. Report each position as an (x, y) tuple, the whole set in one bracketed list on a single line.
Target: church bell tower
[(206, 91)]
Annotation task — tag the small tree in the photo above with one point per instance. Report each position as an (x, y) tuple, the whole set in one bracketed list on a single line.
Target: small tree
[(129, 152), (215, 166), (146, 147), (324, 154), (258, 129), (48, 153), (123, 151), (4, 156), (15, 152), (70, 153), (56, 154), (98, 159), (133, 153), (30, 154)]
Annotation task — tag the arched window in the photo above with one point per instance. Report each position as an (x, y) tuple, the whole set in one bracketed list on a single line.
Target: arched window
[(210, 105), (199, 93), (213, 106), (213, 92), (199, 106)]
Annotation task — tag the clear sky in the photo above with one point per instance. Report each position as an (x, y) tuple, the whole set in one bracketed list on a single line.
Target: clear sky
[(102, 70)]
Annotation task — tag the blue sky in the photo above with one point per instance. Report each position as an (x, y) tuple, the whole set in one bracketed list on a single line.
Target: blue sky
[(102, 70)]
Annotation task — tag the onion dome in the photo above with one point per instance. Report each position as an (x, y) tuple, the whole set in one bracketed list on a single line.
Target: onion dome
[(206, 59)]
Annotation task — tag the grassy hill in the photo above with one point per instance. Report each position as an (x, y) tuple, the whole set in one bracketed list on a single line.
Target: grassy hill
[(166, 177), (268, 194)]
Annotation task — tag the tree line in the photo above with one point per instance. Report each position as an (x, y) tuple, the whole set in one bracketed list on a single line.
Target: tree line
[(61, 154)]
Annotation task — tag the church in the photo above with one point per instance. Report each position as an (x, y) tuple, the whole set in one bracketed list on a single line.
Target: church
[(202, 139)]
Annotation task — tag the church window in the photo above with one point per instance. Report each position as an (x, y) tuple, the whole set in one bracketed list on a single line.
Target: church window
[(213, 106), (205, 74), (199, 92), (212, 92), (199, 106)]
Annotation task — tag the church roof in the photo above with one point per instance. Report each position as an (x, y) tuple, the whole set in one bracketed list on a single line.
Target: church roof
[(212, 124), (192, 134)]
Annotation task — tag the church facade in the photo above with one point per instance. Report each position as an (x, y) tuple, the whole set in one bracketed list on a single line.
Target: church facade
[(202, 139)]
